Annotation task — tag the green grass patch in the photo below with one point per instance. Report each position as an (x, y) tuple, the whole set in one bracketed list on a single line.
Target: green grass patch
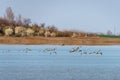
[(109, 36)]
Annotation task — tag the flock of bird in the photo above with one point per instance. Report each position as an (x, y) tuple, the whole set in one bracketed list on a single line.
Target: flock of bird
[(54, 51), (78, 50), (50, 50)]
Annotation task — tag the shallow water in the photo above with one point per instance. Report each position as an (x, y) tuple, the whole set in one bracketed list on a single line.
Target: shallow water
[(33, 62)]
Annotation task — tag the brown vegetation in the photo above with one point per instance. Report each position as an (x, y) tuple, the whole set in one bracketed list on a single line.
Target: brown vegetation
[(20, 31), (59, 40), (9, 26)]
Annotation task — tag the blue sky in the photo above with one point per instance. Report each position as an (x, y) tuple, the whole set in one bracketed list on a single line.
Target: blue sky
[(83, 15)]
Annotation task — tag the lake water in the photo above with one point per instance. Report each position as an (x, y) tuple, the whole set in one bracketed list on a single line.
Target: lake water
[(51, 62)]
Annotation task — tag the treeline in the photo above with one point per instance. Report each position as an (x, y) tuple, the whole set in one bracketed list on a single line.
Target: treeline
[(19, 26)]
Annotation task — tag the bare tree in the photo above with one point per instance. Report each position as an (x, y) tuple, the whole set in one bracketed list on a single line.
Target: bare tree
[(52, 28), (19, 20), (109, 32), (26, 21), (9, 15), (3, 22), (42, 25)]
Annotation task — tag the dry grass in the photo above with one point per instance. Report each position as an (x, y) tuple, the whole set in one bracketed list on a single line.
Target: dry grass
[(60, 40)]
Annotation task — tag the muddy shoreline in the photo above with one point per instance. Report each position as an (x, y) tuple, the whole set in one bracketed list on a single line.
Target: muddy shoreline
[(59, 41)]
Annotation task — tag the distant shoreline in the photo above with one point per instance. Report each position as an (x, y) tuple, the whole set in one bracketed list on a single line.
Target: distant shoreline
[(59, 41)]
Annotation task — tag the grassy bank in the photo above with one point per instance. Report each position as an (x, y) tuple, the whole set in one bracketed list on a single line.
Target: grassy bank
[(59, 40), (109, 36)]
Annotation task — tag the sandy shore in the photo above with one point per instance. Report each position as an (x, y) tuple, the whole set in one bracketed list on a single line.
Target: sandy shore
[(59, 40)]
